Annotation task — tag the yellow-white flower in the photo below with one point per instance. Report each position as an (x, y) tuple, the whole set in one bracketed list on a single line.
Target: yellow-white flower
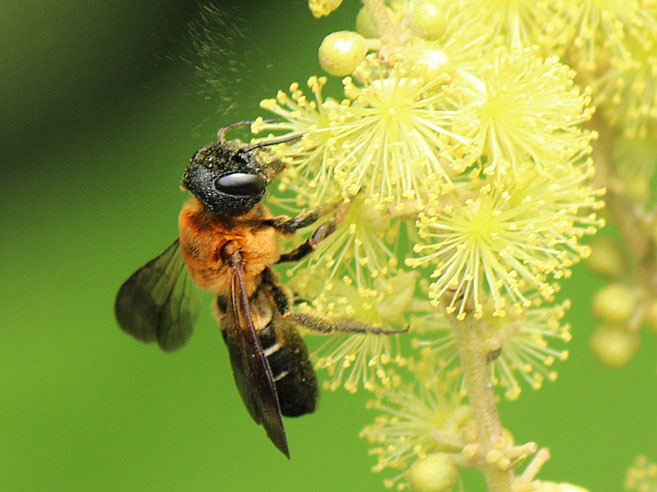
[(365, 244), (396, 138), (502, 236), (521, 346), (527, 108), (309, 160), (595, 30), (358, 360), (416, 419), (627, 91), (520, 24)]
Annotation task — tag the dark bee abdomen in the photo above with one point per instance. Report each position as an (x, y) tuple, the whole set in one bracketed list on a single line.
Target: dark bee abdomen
[(296, 384)]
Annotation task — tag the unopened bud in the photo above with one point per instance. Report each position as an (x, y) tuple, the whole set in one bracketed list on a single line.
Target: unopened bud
[(320, 8), (614, 346), (433, 473), (427, 19), (365, 25), (615, 303), (341, 52), (606, 258)]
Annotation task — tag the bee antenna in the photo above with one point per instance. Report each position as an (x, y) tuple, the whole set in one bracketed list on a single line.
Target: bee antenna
[(265, 143), (221, 134)]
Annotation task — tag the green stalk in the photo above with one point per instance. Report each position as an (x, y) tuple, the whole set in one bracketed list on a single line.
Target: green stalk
[(470, 342)]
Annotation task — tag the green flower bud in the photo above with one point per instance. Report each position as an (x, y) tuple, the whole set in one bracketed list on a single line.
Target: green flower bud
[(433, 473), (427, 20), (341, 52), (613, 346), (606, 258), (365, 25), (615, 303)]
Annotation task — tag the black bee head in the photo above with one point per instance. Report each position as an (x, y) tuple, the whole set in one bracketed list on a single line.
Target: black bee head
[(226, 179)]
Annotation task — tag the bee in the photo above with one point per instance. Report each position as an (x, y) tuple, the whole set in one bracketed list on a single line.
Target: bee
[(228, 241)]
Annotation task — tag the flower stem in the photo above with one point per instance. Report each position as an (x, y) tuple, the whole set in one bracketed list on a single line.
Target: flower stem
[(617, 203), (470, 341), (634, 223)]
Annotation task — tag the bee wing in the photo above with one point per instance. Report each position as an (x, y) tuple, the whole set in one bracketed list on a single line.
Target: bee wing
[(159, 302), (251, 369)]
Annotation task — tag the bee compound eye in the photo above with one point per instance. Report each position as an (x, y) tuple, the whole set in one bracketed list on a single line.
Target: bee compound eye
[(242, 184)]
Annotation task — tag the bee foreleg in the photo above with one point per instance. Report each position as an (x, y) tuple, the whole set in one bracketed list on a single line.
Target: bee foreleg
[(287, 225), (310, 244), (322, 232)]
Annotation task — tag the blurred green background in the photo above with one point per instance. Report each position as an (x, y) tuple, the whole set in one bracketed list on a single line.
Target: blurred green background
[(100, 111)]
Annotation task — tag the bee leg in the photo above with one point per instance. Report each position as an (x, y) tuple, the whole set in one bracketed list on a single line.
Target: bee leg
[(287, 225), (326, 326), (322, 232), (297, 299), (310, 244), (316, 323)]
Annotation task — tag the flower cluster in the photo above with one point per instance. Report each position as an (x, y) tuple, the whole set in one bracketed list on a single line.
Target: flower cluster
[(452, 163), (627, 92), (491, 161), (456, 167)]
